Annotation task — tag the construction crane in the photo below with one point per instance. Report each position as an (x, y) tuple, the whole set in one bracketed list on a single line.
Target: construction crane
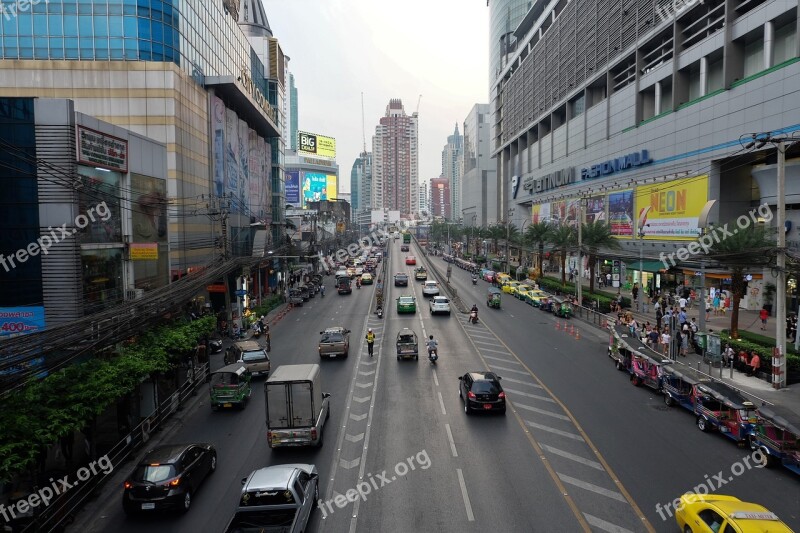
[(418, 100), (363, 127)]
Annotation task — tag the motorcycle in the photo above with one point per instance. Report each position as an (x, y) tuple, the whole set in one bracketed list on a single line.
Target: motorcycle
[(474, 280), (380, 312), (256, 331), (473, 317), (322, 291), (433, 355)]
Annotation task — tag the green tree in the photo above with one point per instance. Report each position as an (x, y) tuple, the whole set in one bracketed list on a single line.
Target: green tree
[(596, 236), (495, 233), (538, 234), (748, 248), (563, 238)]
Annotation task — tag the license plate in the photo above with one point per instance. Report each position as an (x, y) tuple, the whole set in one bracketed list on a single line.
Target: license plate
[(487, 406), (148, 506), (332, 356), (223, 405)]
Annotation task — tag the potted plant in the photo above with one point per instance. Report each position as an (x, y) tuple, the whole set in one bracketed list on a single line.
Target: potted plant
[(769, 293)]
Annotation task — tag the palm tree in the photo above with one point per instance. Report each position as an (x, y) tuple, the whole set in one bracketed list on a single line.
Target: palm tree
[(596, 236), (538, 233), (747, 248), (496, 232), (564, 238)]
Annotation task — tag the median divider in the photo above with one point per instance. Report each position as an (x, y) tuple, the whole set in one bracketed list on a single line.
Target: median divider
[(451, 291)]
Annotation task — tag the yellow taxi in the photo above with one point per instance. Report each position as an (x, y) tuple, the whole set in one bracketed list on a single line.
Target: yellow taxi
[(522, 292), (707, 513), (502, 278), (510, 287), (366, 278), (535, 297)]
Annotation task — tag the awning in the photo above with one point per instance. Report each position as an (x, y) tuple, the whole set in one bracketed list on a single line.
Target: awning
[(647, 266), (716, 274)]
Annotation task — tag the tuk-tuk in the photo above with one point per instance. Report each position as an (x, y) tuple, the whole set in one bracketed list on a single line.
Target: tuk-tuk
[(645, 366), (230, 386), (407, 347), (777, 436), (678, 384), (555, 304), (546, 303), (295, 297), (493, 297), (718, 406), (618, 349), (564, 309)]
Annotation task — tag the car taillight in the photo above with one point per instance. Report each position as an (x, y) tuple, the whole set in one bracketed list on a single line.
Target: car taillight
[(471, 395), (269, 436), (127, 485), (502, 395), (313, 433)]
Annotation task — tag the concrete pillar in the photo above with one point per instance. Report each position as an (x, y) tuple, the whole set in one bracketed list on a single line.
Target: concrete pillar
[(703, 76), (769, 44), (657, 103)]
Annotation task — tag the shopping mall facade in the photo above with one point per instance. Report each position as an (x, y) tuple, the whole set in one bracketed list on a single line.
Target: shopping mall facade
[(634, 109), (195, 76)]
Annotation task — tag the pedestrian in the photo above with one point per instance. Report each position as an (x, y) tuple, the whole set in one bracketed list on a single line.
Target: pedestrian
[(653, 338), (682, 317), (645, 303), (716, 304), (635, 295), (659, 317), (657, 306), (709, 307), (370, 341), (763, 314), (682, 303), (728, 355), (754, 364), (665, 338), (685, 339), (608, 279)]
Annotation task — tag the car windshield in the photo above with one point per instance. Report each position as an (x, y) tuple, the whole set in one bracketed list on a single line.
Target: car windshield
[(332, 337), (405, 300), (401, 276), (224, 379), (440, 300), (154, 473), (485, 387), (406, 339), (257, 520), (254, 356)]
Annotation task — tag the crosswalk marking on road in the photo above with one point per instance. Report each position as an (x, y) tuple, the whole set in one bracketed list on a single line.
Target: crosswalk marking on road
[(572, 457), (520, 382), (592, 487), (506, 369)]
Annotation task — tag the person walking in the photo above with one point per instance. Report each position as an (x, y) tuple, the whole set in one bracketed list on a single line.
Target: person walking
[(763, 315), (716, 304), (370, 341), (635, 295), (665, 338), (659, 317)]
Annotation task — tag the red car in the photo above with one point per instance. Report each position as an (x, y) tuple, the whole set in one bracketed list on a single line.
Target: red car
[(411, 260)]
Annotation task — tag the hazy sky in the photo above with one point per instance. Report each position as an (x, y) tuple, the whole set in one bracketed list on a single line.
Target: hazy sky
[(385, 49)]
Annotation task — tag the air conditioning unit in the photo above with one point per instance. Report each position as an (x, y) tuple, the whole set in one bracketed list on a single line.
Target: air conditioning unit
[(134, 294)]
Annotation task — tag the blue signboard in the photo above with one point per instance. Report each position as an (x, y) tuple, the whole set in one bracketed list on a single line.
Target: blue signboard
[(315, 188), (20, 320), (293, 187)]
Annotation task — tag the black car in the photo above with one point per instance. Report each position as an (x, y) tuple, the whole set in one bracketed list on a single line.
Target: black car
[(481, 391), (167, 476), (404, 248), (401, 280)]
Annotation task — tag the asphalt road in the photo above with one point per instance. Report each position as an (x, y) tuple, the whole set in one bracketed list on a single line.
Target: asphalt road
[(580, 448)]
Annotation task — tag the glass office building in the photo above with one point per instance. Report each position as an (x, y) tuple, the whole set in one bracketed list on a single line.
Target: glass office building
[(159, 69)]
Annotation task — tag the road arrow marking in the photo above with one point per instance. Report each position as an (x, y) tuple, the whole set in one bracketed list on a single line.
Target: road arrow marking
[(350, 464), (354, 438), (361, 400), (358, 418), (368, 362), (363, 385), (366, 373)]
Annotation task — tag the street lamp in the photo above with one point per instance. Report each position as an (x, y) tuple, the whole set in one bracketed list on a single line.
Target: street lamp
[(703, 226)]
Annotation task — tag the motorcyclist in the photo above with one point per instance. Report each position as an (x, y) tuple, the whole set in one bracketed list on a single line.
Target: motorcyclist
[(473, 313), (322, 290), (474, 278), (432, 346), (358, 283)]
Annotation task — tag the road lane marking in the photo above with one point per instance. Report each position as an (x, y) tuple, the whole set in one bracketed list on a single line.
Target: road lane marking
[(363, 385), (502, 352), (573, 436), (358, 418), (470, 516), (506, 369), (349, 464), (592, 487), (501, 359), (362, 373), (472, 334), (361, 400), (599, 523), (520, 382), (527, 395), (435, 379), (354, 438), (441, 402), (540, 411), (450, 438), (573, 457)]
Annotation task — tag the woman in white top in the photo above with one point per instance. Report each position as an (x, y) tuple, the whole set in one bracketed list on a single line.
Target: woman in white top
[(665, 338)]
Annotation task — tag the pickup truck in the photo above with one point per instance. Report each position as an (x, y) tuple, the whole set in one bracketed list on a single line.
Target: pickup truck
[(296, 406), (343, 286)]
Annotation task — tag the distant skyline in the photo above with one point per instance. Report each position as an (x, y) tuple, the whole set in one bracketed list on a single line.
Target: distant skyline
[(341, 48)]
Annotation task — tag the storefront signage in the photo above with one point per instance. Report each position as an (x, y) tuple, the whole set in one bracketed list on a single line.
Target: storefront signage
[(17, 320), (606, 168), (256, 94), (553, 180), (144, 251), (99, 149)]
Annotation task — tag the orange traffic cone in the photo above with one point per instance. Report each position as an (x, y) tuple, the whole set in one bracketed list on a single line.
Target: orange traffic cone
[(558, 325), (572, 329), (577, 335)]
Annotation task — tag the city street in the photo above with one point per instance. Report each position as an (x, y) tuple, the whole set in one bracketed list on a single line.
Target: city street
[(579, 449)]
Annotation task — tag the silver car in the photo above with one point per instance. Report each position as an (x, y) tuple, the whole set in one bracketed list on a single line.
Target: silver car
[(277, 498), (253, 356)]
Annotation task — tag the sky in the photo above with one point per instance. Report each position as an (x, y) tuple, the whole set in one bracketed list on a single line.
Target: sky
[(384, 49)]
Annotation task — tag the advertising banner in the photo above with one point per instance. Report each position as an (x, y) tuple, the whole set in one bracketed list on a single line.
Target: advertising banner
[(596, 209), (558, 212), (255, 201), (144, 251), (293, 187), (674, 207), (540, 213), (266, 149), (620, 213), (317, 145), (16, 320), (331, 187), (315, 188), (97, 149), (573, 211), (218, 144), (244, 170), (231, 155)]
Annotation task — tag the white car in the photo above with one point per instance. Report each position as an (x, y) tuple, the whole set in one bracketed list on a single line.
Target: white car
[(359, 271), (431, 288), (440, 304)]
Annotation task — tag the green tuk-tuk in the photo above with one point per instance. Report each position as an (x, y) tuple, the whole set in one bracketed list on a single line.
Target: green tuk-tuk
[(230, 386), (493, 297), (563, 308)]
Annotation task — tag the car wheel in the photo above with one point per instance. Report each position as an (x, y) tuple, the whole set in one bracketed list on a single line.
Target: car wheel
[(416, 357), (702, 424), (187, 501), (213, 467), (668, 400), (460, 394), (328, 414), (619, 365), (687, 529), (503, 411), (398, 357)]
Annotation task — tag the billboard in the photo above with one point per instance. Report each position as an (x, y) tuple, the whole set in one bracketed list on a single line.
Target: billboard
[(315, 187), (674, 207), (540, 213), (293, 187), (317, 145), (18, 320), (331, 187), (595, 209), (218, 144), (620, 213)]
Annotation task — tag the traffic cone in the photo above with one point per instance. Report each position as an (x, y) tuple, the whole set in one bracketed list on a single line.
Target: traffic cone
[(577, 335), (572, 329), (558, 325)]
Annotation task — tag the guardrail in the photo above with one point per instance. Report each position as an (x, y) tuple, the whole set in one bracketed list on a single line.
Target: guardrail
[(443, 281)]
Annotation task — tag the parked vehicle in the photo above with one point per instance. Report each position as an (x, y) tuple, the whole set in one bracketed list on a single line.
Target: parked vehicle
[(777, 435), (718, 406), (563, 309), (493, 297), (253, 356), (407, 347), (295, 297), (230, 386), (277, 498), (167, 477), (296, 407), (334, 341), (678, 385)]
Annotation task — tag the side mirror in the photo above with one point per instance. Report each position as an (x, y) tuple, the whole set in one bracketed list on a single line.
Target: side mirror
[(499, 378), (326, 394), (460, 378), (244, 480)]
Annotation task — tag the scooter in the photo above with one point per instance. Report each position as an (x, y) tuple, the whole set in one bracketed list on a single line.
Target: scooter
[(256, 331), (473, 317), (380, 312), (474, 280), (433, 355)]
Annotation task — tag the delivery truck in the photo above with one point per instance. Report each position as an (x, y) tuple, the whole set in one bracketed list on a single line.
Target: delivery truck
[(296, 406)]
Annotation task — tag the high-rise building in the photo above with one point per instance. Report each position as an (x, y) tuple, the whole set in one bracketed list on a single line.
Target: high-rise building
[(360, 182), (395, 161), (424, 207), (451, 169), (440, 198), (478, 178), (292, 113)]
